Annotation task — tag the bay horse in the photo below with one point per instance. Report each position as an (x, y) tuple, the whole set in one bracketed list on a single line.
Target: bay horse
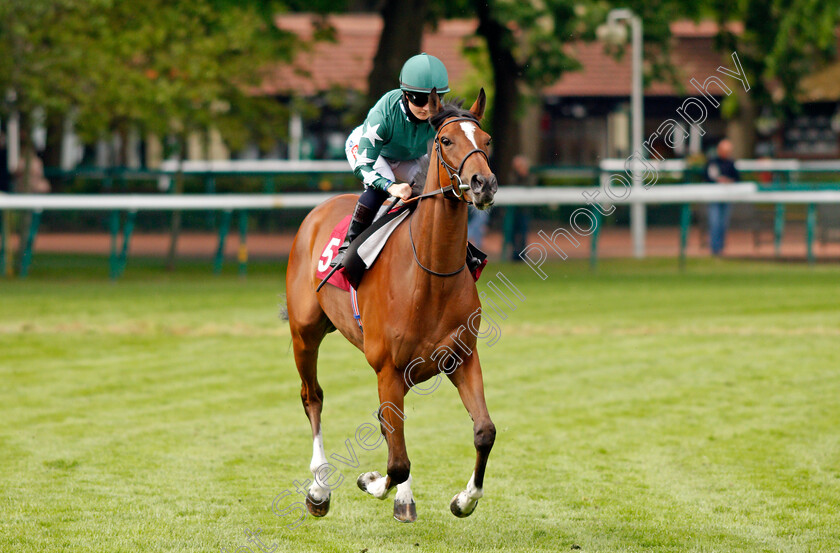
[(408, 307)]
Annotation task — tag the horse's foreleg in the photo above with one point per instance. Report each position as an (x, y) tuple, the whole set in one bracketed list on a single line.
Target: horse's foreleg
[(470, 384), (392, 417), (405, 509)]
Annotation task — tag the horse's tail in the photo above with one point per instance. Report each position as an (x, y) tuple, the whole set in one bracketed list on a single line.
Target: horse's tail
[(284, 310)]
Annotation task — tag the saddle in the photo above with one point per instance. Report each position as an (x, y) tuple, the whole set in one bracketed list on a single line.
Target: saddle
[(365, 249)]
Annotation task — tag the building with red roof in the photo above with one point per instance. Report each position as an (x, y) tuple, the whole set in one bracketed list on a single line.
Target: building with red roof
[(584, 115)]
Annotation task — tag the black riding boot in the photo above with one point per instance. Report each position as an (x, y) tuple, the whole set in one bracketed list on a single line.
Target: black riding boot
[(362, 218)]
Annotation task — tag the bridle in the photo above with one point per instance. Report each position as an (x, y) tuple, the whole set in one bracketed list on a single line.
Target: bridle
[(457, 190), (452, 172)]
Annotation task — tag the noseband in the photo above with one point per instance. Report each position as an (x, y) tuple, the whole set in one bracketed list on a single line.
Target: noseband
[(453, 173)]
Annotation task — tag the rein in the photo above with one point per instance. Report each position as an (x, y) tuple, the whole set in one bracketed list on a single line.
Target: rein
[(417, 260), (458, 190), (443, 190)]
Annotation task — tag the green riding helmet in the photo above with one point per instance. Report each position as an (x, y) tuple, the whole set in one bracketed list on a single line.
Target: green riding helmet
[(422, 73)]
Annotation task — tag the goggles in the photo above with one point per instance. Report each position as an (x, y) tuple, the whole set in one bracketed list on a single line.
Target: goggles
[(419, 99)]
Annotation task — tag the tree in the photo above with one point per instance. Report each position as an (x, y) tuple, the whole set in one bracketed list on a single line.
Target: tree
[(526, 43), (154, 65), (403, 22), (160, 67), (782, 42)]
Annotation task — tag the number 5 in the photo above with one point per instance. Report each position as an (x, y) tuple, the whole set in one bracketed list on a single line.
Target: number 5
[(327, 256)]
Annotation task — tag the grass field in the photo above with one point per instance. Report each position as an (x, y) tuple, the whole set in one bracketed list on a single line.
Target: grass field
[(638, 409)]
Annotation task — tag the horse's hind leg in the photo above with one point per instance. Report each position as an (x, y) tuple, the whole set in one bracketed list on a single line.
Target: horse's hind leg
[(469, 382), (305, 342)]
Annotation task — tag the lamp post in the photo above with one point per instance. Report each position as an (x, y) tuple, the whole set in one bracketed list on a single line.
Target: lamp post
[(637, 209)]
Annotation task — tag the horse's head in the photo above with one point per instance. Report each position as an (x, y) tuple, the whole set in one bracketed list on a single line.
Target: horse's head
[(463, 148)]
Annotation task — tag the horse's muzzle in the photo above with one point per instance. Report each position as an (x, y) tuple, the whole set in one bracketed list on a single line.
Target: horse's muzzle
[(483, 188)]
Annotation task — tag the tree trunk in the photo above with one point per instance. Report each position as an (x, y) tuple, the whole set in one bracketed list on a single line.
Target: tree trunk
[(175, 229), (8, 259), (507, 97), (401, 38), (124, 146), (741, 128), (22, 186), (55, 137)]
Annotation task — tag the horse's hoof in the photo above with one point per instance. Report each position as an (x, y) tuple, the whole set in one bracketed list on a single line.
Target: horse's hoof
[(366, 478), (405, 512), (374, 484), (317, 509), (466, 511)]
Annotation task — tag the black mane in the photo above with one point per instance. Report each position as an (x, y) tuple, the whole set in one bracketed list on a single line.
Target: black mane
[(451, 109)]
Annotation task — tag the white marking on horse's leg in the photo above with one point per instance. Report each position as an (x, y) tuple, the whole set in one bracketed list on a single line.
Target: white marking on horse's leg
[(468, 499), (377, 488), (405, 510), (374, 484), (469, 130), (319, 458), (404, 495), (472, 490)]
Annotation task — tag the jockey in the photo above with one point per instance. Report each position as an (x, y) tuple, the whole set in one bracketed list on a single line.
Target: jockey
[(387, 150)]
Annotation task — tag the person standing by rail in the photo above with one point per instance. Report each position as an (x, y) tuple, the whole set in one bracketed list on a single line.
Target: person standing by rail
[(720, 169)]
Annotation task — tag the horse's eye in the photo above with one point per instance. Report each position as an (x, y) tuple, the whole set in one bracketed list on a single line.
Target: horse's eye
[(445, 141), (488, 141)]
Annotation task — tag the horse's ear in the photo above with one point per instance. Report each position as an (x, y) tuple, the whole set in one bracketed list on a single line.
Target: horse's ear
[(477, 108), (434, 103)]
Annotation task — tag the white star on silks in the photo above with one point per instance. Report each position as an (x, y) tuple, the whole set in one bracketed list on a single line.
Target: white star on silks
[(362, 159), (370, 133), (370, 177)]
